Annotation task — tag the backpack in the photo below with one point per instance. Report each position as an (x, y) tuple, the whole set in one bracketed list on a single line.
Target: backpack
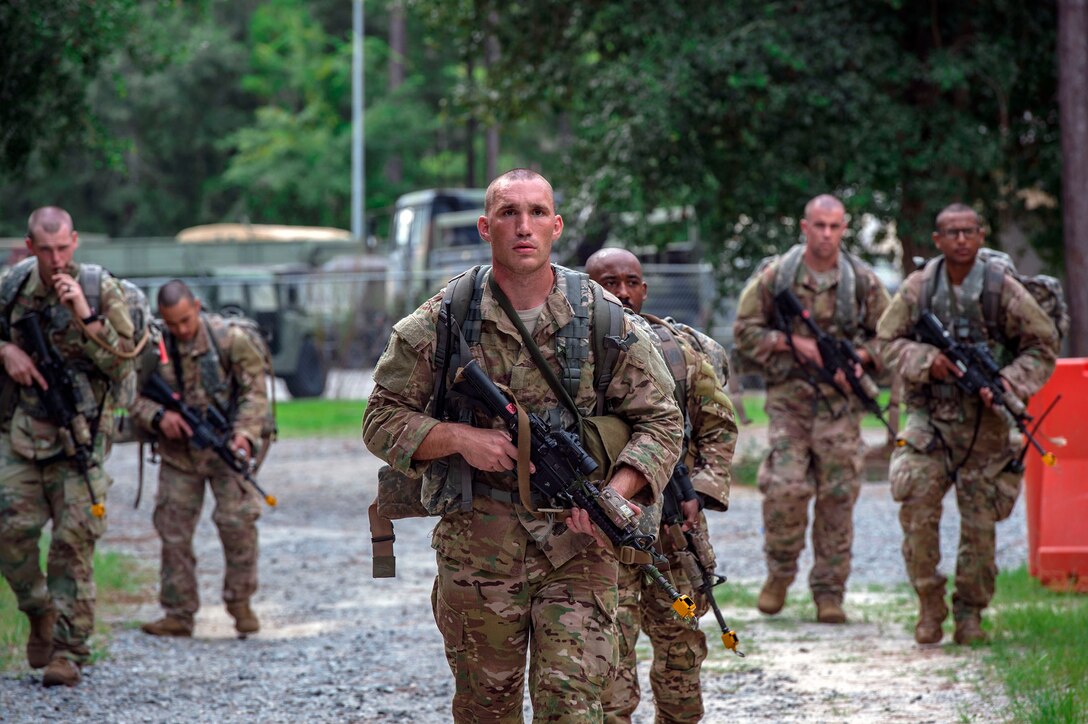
[(1046, 290), (90, 280)]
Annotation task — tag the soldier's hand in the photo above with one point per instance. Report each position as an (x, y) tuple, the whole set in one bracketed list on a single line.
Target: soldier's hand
[(240, 443), (20, 367), (808, 350), (488, 450), (987, 394), (942, 367), (580, 522), (690, 509), (70, 294), (173, 425)]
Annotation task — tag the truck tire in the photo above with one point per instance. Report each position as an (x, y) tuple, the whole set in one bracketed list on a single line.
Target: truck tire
[(308, 379)]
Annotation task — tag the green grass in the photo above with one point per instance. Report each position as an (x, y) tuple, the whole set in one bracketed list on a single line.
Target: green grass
[(1040, 649), (320, 418), (119, 579), (753, 407)]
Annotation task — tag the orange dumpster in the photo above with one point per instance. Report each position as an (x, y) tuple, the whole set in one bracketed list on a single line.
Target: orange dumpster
[(1057, 497)]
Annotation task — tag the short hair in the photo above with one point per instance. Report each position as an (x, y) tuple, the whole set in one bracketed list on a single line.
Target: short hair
[(174, 292), (49, 219), (601, 256), (824, 201), (514, 174), (956, 208)]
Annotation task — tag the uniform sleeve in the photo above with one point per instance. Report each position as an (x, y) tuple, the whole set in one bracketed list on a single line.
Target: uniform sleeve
[(876, 302), (1038, 340), (247, 369), (395, 421), (116, 333), (910, 359), (713, 432), (641, 393), (753, 333)]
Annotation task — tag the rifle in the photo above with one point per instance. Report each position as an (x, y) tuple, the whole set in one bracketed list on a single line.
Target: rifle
[(210, 433), (562, 466), (837, 354), (980, 372), (680, 489), (61, 403)]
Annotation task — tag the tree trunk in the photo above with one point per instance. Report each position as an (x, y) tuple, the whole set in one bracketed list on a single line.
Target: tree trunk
[(1073, 105), (398, 48), (491, 147)]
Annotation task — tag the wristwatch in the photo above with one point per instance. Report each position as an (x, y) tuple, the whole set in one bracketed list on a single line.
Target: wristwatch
[(91, 318), (157, 419)]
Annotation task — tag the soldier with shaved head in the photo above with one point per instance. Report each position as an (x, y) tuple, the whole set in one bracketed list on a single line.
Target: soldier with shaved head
[(40, 475), (512, 582), (816, 449), (700, 371)]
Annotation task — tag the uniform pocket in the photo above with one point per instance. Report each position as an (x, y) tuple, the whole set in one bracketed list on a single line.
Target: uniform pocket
[(680, 657), (905, 470), (1005, 491), (451, 623)]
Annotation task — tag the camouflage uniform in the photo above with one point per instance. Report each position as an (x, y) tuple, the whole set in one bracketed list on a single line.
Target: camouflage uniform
[(185, 469), (38, 483), (815, 439), (679, 649), (506, 580), (940, 434)]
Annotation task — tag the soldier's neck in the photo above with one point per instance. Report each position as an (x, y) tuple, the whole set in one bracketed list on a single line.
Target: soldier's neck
[(817, 265), (525, 291), (957, 272)]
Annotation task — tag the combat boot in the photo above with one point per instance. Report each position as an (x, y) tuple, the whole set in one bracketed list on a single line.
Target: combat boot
[(61, 672), (169, 625), (39, 644), (829, 609), (969, 629), (773, 596), (932, 612), (245, 621)]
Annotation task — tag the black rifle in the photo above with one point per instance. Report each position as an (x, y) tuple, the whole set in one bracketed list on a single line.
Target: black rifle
[(980, 372), (61, 403), (562, 466), (837, 354), (211, 433), (678, 490)]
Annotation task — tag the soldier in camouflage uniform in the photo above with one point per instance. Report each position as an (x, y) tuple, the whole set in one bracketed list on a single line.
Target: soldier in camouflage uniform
[(218, 365), (38, 481), (679, 648), (507, 581), (950, 438), (815, 438)]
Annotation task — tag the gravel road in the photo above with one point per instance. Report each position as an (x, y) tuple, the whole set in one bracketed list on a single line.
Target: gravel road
[(337, 645)]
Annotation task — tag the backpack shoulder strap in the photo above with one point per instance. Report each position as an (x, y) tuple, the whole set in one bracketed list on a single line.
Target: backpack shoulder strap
[(992, 283), (674, 359), (459, 293), (607, 325), (10, 286), (90, 279), (569, 348), (785, 271), (930, 276)]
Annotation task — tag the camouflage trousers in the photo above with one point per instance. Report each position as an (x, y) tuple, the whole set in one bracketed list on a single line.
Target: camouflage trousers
[(29, 496), (679, 649), (177, 511), (985, 493), (564, 618), (813, 453)]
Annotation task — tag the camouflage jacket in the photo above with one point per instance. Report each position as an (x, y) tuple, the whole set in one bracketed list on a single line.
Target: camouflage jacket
[(710, 413), (756, 333), (96, 372), (1030, 366), (244, 387), (492, 536)]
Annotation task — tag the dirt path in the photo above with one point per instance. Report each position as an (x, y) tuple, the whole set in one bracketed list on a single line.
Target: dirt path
[(337, 645)]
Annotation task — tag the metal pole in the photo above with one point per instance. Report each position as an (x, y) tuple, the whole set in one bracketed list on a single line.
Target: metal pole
[(358, 154)]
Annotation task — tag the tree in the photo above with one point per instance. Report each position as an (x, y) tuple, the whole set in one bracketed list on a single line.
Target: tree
[(1073, 54), (51, 51)]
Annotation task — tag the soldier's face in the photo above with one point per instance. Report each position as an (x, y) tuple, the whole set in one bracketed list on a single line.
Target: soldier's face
[(521, 226), (823, 229), (182, 319), (959, 236), (623, 277), (54, 251)]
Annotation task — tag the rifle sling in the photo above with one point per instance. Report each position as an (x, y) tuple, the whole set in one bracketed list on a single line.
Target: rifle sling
[(534, 352)]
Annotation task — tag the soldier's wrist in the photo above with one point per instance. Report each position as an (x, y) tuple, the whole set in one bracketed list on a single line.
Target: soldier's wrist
[(156, 420)]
